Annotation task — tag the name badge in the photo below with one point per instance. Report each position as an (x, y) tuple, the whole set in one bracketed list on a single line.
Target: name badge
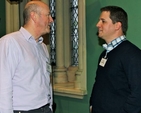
[(49, 69), (103, 62)]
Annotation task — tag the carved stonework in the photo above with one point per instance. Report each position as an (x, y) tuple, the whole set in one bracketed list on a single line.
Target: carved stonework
[(71, 73)]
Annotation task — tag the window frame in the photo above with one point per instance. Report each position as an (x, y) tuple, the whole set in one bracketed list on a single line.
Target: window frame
[(65, 87)]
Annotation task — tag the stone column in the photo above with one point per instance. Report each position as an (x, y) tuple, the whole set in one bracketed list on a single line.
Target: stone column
[(12, 17), (67, 32), (60, 70), (81, 33)]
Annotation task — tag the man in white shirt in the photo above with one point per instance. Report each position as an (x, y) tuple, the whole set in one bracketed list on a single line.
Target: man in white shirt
[(25, 64)]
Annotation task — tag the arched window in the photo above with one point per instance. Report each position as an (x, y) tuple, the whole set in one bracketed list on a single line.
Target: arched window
[(68, 47)]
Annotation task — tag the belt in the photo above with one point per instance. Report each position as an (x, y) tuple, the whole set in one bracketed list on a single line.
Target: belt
[(41, 109)]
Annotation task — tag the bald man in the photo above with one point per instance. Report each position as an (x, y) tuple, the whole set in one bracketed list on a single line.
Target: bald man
[(25, 64)]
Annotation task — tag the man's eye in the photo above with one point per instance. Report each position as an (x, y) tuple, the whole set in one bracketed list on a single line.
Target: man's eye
[(103, 21), (48, 14)]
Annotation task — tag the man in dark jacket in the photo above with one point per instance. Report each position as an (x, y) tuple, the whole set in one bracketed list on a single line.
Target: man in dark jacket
[(117, 87)]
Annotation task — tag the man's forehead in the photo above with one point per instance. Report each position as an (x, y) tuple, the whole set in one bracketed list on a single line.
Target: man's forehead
[(105, 14)]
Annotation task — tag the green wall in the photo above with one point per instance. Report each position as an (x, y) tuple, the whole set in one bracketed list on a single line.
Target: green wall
[(133, 8), (2, 18)]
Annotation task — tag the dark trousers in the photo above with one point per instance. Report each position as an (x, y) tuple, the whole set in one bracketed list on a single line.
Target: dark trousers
[(44, 109)]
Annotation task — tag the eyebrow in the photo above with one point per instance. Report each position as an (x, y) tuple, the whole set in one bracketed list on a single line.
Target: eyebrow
[(102, 19)]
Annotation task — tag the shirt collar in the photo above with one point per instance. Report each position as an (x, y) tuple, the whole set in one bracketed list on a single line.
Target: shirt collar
[(40, 40), (114, 43), (28, 36)]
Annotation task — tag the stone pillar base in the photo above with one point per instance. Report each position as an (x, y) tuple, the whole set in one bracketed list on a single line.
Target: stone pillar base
[(78, 80), (60, 76), (71, 73)]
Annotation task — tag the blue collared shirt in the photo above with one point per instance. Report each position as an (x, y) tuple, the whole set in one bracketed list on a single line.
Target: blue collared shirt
[(113, 44), (24, 79)]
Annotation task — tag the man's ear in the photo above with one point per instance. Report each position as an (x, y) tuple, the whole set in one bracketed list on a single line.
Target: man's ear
[(118, 25), (33, 16)]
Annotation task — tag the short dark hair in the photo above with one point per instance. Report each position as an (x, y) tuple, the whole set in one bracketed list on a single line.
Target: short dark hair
[(117, 14)]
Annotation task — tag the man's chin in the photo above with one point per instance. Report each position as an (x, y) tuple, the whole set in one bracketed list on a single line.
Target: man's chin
[(100, 36), (47, 31)]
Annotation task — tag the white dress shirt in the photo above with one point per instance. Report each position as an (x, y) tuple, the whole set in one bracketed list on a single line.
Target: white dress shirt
[(24, 78)]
